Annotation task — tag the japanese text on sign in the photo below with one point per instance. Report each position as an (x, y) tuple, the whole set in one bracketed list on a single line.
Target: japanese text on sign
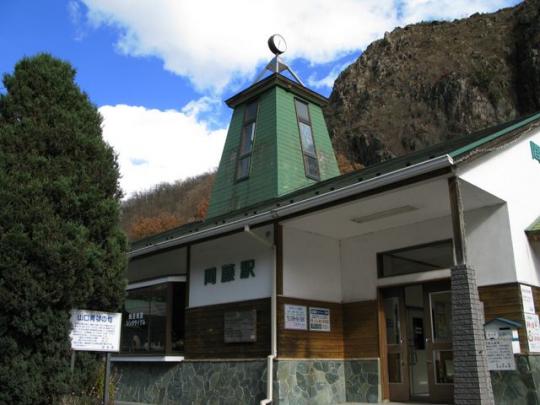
[(319, 319), (295, 317), (533, 332), (500, 355), (95, 331), (527, 299)]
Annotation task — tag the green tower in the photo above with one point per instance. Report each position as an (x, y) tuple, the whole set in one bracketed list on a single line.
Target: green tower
[(277, 143)]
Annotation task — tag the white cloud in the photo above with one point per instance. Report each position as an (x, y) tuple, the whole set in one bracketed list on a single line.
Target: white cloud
[(424, 10), (221, 43), (214, 43), (328, 80), (156, 146), (76, 16)]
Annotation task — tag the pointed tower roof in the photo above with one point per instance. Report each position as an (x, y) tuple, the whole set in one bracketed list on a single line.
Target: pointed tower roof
[(277, 140)]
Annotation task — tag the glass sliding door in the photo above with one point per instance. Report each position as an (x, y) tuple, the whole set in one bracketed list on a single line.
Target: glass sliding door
[(441, 371), (418, 322), (398, 377)]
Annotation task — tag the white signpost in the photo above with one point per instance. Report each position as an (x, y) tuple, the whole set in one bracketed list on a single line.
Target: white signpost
[(500, 354), (295, 317), (96, 331), (532, 325), (527, 299), (533, 332)]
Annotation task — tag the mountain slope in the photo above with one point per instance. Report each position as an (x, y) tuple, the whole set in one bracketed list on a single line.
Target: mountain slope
[(429, 82)]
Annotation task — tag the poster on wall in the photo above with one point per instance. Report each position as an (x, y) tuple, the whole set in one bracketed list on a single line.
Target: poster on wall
[(95, 331), (533, 332), (527, 299), (295, 317), (500, 354), (240, 326), (319, 319)]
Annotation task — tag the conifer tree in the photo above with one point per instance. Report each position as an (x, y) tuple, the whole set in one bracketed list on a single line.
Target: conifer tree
[(60, 242)]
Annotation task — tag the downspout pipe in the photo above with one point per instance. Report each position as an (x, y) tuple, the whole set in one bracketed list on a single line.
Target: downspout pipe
[(273, 322)]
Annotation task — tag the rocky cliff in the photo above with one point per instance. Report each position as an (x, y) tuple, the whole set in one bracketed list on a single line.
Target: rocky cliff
[(428, 82)]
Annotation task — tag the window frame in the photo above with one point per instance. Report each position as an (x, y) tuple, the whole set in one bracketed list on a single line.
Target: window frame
[(306, 154), (248, 155), (380, 260), (169, 294)]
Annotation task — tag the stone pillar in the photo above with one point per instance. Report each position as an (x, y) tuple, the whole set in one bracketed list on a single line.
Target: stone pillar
[(472, 381)]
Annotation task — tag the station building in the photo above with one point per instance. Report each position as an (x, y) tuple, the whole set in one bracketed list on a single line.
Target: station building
[(304, 286)]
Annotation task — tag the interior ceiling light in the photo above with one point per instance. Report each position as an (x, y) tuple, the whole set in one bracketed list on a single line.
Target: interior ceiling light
[(384, 214)]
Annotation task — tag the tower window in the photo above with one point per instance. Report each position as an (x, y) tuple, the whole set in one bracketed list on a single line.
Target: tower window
[(246, 143), (311, 163)]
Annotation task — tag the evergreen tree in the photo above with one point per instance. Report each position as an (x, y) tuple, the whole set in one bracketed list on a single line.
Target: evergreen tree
[(60, 243)]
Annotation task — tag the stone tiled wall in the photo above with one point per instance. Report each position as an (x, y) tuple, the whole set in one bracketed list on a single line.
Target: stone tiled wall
[(298, 382), (362, 382), (519, 387), (323, 382), (194, 383)]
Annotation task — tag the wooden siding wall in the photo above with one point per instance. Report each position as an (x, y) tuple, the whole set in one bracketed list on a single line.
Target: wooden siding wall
[(354, 332), (504, 301), (310, 344), (361, 329), (205, 331)]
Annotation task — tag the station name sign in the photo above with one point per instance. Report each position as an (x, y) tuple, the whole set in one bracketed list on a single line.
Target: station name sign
[(95, 331), (229, 273)]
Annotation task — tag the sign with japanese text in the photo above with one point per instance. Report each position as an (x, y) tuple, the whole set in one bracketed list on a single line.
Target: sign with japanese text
[(533, 332), (319, 319), (228, 272), (135, 319), (527, 299), (95, 331), (295, 317), (500, 355)]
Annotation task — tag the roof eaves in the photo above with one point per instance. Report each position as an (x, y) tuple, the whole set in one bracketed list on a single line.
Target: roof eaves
[(276, 79), (268, 214), (460, 152), (508, 322), (533, 230)]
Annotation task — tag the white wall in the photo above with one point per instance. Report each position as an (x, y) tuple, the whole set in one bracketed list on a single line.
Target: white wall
[(489, 245), (311, 266), (512, 175), (359, 254), (231, 249)]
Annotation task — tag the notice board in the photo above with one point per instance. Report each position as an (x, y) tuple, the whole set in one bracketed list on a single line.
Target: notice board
[(240, 326), (95, 331)]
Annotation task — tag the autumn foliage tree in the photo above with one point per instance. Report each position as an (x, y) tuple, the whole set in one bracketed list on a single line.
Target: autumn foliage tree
[(60, 242), (167, 206)]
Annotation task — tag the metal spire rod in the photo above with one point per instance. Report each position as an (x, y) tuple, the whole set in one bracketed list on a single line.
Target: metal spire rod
[(277, 45)]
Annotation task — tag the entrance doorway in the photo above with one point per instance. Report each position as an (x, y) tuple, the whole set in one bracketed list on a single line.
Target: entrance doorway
[(419, 342)]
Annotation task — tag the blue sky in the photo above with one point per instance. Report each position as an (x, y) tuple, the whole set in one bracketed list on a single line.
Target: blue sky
[(159, 70)]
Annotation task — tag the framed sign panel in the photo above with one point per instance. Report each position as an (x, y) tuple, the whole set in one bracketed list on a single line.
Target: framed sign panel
[(295, 317), (319, 319), (95, 331), (241, 326)]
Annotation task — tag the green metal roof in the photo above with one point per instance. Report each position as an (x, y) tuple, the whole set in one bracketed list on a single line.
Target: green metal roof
[(459, 149), (534, 229), (273, 80)]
